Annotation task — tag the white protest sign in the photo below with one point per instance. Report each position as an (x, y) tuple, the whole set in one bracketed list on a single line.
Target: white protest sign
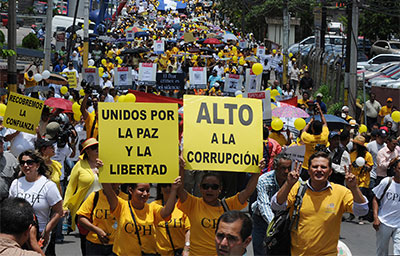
[(130, 36), (265, 96), (198, 77), (296, 152), (147, 72), (91, 75), (243, 44), (159, 46), (233, 83), (123, 76), (253, 82), (260, 51)]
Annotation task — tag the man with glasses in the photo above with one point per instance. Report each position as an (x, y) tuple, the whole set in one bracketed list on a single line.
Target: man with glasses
[(268, 184), (233, 233)]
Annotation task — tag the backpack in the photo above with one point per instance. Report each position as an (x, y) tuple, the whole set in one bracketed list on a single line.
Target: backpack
[(277, 238)]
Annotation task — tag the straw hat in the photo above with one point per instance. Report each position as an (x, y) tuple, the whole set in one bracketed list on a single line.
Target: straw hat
[(87, 143), (360, 140)]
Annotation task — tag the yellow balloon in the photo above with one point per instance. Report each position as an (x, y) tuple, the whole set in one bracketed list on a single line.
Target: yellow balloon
[(239, 96), (194, 57), (242, 61), (396, 116), (234, 49), (3, 108), (268, 89), (76, 107), (220, 54), (122, 98), (104, 62), (82, 92), (234, 58), (257, 68), (363, 128), (119, 61), (101, 69), (130, 97), (64, 90), (275, 93), (77, 116), (277, 124), (290, 55), (299, 123)]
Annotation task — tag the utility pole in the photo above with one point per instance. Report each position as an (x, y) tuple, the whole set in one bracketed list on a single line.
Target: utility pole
[(353, 59), (285, 43), (86, 34), (12, 45), (348, 53), (323, 26), (48, 36)]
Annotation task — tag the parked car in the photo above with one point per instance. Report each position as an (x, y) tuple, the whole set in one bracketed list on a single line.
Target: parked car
[(385, 47), (384, 82), (374, 71), (381, 58), (335, 28), (4, 20), (329, 40), (385, 77)]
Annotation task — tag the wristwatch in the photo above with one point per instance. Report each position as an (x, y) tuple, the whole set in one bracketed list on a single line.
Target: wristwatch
[(187, 244)]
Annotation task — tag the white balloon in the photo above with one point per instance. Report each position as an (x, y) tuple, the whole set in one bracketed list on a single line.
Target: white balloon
[(91, 62), (46, 74), (38, 77), (360, 161), (238, 93)]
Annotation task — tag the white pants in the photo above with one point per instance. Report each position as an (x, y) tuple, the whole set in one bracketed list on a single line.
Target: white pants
[(383, 236)]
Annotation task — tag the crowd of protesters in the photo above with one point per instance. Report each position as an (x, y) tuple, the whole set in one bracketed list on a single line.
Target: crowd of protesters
[(345, 169)]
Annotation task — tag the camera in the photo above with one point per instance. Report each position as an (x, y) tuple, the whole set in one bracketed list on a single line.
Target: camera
[(66, 130)]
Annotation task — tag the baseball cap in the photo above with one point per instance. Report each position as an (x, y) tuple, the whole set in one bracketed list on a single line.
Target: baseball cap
[(51, 130), (333, 134), (389, 100), (353, 122), (382, 133), (320, 95)]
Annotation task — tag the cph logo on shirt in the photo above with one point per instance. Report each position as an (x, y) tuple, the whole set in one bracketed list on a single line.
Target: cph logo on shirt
[(31, 198), (209, 223), (392, 196), (143, 229)]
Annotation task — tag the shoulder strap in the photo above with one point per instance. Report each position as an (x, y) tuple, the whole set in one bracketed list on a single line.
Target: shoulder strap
[(167, 229), (297, 205), (93, 126), (134, 221), (95, 200), (34, 201), (386, 189), (224, 205)]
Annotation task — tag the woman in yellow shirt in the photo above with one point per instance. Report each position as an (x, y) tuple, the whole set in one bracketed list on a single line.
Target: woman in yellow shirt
[(136, 218), (204, 211), (83, 181), (173, 235), (95, 216)]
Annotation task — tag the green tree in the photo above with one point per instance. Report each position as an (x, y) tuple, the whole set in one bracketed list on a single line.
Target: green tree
[(4, 53)]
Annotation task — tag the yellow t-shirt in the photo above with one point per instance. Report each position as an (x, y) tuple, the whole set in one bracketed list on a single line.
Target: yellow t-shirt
[(101, 217), (126, 241), (88, 125), (29, 82), (363, 178), (302, 102), (203, 222), (320, 218), (55, 176), (311, 141), (178, 225), (279, 137), (384, 111)]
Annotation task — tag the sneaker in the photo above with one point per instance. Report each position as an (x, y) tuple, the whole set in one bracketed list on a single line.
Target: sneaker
[(361, 222), (350, 218)]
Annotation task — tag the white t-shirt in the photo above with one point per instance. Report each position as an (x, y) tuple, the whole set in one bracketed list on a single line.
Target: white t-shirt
[(220, 70), (72, 70), (79, 128), (42, 194), (389, 209), (23, 141)]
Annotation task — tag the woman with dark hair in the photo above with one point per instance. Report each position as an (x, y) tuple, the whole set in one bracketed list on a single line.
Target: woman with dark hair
[(83, 181), (41, 193), (172, 236), (204, 211), (136, 218), (46, 150), (361, 168)]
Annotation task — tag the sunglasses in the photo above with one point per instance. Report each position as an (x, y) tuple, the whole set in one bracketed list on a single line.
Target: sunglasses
[(28, 162), (165, 185), (206, 186)]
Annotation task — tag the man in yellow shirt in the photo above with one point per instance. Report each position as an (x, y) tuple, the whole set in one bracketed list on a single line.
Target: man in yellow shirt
[(318, 227), (91, 119), (386, 110)]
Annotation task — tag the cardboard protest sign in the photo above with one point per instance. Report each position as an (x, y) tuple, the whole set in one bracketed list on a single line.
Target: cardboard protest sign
[(198, 77), (222, 134), (265, 96), (91, 76), (23, 113), (233, 83), (71, 77), (138, 142), (147, 73), (123, 76), (188, 37), (170, 81), (253, 82), (159, 46)]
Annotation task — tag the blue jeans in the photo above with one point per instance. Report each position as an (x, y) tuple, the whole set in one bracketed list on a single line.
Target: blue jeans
[(259, 229)]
